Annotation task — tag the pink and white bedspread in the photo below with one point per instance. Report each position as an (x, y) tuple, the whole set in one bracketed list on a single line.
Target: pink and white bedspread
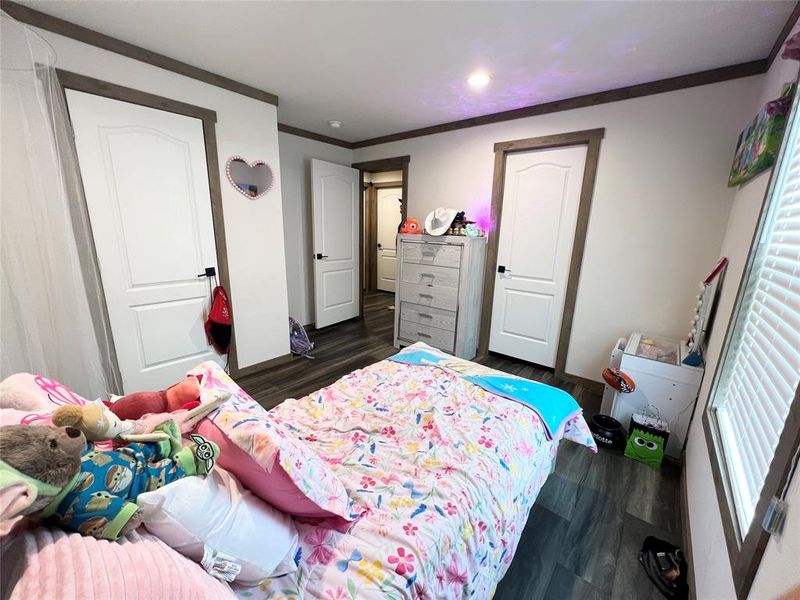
[(444, 472)]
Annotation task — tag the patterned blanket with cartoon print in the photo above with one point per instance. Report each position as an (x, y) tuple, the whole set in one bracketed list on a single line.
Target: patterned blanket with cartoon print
[(446, 471)]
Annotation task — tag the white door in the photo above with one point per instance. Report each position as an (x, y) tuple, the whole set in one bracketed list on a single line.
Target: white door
[(537, 227), (335, 218), (389, 217), (144, 173)]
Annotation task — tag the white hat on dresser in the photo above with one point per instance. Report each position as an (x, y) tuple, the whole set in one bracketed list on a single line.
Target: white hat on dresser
[(438, 221)]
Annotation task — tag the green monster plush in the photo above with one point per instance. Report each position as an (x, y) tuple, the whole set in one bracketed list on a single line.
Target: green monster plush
[(646, 445)]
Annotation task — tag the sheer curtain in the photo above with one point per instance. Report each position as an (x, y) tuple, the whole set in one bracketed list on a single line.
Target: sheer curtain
[(48, 323)]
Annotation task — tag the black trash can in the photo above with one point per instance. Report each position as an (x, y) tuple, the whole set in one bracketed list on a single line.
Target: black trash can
[(608, 432)]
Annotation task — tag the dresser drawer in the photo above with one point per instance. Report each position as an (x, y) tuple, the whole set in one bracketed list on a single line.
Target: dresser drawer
[(427, 315), (429, 275), (438, 297), (438, 338), (443, 255)]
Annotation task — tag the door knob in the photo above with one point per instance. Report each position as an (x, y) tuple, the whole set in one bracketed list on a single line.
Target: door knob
[(380, 245), (321, 256), (503, 269), (209, 272)]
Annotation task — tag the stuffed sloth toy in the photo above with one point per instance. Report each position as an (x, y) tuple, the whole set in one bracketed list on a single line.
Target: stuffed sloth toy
[(52, 472)]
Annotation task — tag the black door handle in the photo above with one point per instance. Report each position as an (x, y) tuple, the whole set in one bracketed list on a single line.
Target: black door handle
[(321, 256), (502, 269), (210, 272), (380, 245)]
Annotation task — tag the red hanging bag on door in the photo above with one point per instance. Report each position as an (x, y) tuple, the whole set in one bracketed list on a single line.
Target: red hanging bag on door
[(219, 324)]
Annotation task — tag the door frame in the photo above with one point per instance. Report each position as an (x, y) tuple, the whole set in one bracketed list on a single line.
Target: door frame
[(591, 139), (371, 232), (381, 165), (90, 85)]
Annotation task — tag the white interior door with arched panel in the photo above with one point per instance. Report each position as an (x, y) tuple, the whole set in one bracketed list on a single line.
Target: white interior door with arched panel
[(541, 196), (145, 179), (335, 223), (389, 217)]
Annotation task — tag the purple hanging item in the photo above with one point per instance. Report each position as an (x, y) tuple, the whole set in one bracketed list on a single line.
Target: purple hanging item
[(791, 49)]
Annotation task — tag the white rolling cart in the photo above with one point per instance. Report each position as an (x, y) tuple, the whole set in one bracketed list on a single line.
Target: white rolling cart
[(663, 383)]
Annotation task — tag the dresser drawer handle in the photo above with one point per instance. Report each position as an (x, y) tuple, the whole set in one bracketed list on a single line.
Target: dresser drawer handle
[(426, 296), (425, 316), (425, 335)]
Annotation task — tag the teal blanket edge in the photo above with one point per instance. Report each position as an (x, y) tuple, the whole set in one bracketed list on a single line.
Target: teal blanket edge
[(553, 405)]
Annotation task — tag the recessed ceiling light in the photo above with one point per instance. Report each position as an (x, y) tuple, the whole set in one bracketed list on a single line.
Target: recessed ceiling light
[(478, 80), (335, 124)]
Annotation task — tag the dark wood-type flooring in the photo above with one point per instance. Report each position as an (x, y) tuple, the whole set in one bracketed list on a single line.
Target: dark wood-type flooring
[(584, 532)]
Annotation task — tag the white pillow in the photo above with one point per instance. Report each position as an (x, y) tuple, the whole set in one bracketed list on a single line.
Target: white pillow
[(219, 523)]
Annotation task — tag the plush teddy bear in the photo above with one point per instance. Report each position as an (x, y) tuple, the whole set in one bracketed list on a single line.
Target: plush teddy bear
[(184, 394), (52, 472)]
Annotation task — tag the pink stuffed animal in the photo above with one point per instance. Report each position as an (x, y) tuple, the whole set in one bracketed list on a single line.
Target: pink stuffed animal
[(21, 391), (184, 394)]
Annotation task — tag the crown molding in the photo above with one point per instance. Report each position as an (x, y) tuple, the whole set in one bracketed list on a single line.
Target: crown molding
[(314, 136), (784, 33), (47, 22), (660, 86)]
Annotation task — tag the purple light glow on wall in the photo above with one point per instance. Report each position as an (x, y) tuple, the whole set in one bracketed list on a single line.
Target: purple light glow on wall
[(483, 218)]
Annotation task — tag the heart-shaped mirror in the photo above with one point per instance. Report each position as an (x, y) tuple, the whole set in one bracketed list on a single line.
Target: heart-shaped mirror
[(252, 180)]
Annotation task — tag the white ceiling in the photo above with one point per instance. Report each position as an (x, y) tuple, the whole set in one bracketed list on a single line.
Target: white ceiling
[(384, 67)]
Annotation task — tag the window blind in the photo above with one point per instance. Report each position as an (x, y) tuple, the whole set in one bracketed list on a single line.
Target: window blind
[(761, 368)]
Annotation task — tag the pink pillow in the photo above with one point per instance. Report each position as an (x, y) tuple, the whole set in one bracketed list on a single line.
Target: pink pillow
[(276, 466)]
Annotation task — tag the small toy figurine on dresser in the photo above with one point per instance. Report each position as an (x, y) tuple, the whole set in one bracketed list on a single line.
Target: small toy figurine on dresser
[(51, 472)]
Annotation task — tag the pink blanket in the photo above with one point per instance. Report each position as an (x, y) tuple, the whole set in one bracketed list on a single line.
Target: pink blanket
[(43, 562)]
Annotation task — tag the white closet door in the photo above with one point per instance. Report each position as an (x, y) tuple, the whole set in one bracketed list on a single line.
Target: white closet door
[(389, 217), (541, 196), (335, 223), (146, 181)]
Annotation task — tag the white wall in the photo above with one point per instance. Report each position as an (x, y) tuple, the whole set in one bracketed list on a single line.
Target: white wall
[(384, 177), (296, 154), (780, 565), (254, 229), (659, 210)]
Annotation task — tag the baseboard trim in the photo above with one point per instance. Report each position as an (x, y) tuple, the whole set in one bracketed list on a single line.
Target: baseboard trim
[(590, 385), (262, 366), (687, 534)]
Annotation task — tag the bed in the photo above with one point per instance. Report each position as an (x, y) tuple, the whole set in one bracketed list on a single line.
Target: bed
[(444, 471), (440, 471)]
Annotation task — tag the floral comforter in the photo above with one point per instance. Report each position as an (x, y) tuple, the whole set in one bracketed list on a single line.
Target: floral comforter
[(444, 472)]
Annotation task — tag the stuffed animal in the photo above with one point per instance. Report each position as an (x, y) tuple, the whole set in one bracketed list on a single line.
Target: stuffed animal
[(51, 472), (19, 392), (184, 394), (410, 226), (97, 422)]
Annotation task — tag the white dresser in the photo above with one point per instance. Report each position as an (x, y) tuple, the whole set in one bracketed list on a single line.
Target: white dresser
[(439, 288)]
